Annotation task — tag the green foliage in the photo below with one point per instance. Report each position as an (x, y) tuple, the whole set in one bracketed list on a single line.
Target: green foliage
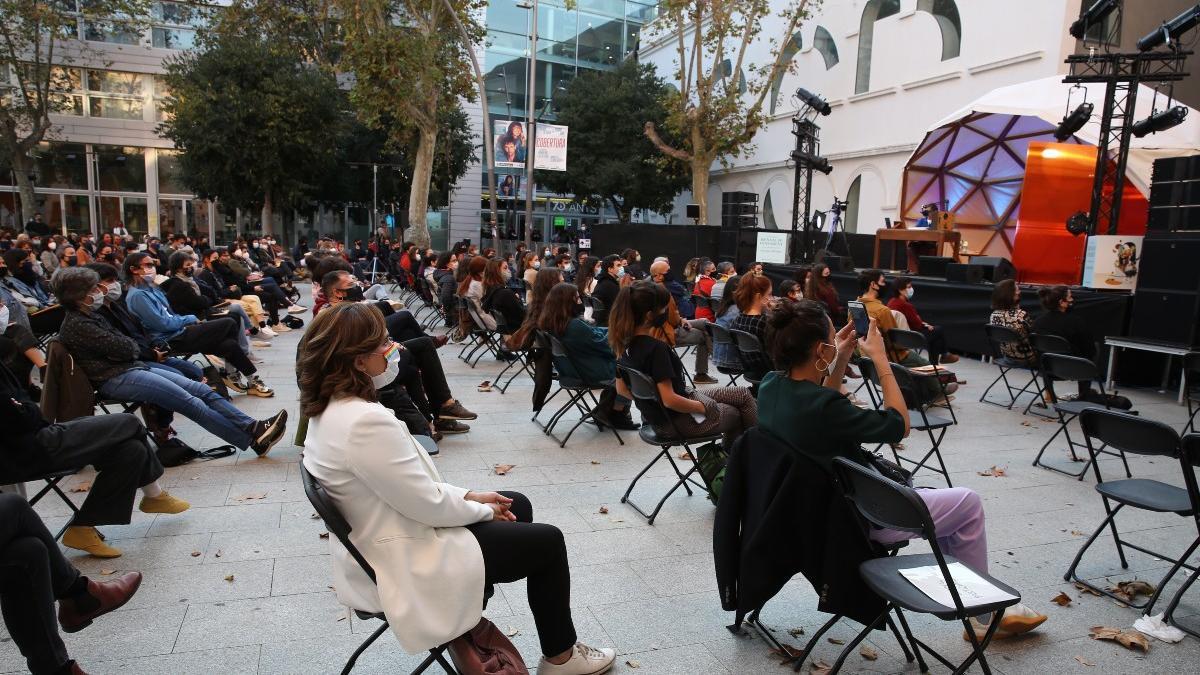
[(251, 123), (310, 29), (609, 156)]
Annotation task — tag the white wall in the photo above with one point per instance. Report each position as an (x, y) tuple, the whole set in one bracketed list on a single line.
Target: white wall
[(872, 134)]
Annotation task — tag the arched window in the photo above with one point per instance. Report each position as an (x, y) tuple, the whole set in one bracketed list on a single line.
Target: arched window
[(823, 43), (874, 11), (850, 218), (946, 14), (789, 51)]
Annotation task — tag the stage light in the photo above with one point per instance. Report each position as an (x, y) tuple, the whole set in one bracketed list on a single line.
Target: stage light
[(1092, 16), (1171, 31), (1160, 121), (1077, 224), (812, 100), (818, 163), (1074, 121)]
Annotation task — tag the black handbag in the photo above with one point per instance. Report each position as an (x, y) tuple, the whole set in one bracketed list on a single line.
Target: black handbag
[(889, 469)]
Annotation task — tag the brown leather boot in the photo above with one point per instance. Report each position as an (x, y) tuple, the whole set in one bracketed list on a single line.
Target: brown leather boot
[(109, 594)]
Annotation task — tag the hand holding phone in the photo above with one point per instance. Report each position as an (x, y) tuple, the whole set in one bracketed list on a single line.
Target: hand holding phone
[(858, 314)]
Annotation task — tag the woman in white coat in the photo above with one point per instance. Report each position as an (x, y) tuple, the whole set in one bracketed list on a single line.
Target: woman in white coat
[(434, 547)]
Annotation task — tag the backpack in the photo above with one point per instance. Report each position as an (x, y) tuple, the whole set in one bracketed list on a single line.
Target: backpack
[(710, 463)]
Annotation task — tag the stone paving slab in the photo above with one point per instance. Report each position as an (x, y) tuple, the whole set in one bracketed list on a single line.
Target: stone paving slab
[(647, 590)]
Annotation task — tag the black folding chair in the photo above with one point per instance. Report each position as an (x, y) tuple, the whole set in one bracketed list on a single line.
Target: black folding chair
[(579, 393), (1063, 368), (1139, 436), (52, 480), (893, 506), (910, 340), (997, 338), (749, 348), (486, 339), (720, 336), (919, 418), (1190, 457), (666, 437), (1045, 343), (338, 526), (1191, 379), (44, 323)]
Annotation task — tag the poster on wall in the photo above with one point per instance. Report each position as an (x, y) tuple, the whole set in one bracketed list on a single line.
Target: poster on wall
[(551, 140), (511, 143), (772, 247), (1112, 262)]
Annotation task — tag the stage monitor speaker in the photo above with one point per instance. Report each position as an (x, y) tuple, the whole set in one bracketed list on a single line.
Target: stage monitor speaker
[(693, 211), (996, 268), (739, 198), (739, 209), (739, 222), (964, 273), (1169, 169), (933, 265), (1169, 263), (1167, 316), (837, 263)]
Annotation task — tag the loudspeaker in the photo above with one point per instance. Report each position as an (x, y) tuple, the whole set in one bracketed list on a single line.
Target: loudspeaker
[(1168, 263), (998, 269), (693, 211), (1167, 316), (739, 222), (964, 273), (739, 209), (837, 263), (739, 197), (933, 265)]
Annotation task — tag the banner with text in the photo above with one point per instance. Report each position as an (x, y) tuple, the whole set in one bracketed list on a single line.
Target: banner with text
[(551, 152)]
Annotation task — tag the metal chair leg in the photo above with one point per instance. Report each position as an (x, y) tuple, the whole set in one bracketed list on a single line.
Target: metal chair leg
[(363, 647)]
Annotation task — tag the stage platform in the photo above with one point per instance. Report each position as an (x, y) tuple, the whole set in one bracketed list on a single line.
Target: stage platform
[(962, 309)]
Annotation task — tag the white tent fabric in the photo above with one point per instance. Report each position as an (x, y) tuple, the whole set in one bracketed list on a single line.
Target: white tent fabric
[(974, 158)]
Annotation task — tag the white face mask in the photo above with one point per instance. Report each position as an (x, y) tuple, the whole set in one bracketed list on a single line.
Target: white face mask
[(97, 300), (5, 316), (52, 245), (387, 377), (114, 292), (909, 291)]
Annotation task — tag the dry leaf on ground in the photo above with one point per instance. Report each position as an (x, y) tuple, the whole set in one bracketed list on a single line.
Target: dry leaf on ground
[(1129, 639), (229, 577), (503, 469), (995, 472), (835, 641), (868, 653), (324, 535), (1062, 599), (1129, 590), (820, 668), (685, 455), (314, 516), (1084, 589), (195, 554), (595, 461), (796, 632), (786, 653), (217, 554), (81, 487), (1077, 533), (107, 572), (250, 496), (513, 632), (633, 664), (603, 509), (1084, 662)]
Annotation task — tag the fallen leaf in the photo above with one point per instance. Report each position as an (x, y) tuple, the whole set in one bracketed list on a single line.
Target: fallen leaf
[(1062, 599), (81, 487), (595, 461), (107, 572), (341, 618), (217, 554), (633, 664), (250, 496), (1129, 639), (194, 478), (314, 516), (835, 641), (868, 653), (503, 469), (820, 667), (995, 472), (324, 535), (603, 509), (1128, 591), (786, 653), (1089, 591), (195, 554), (796, 632), (229, 577), (685, 455), (1084, 662), (1077, 533), (513, 632)]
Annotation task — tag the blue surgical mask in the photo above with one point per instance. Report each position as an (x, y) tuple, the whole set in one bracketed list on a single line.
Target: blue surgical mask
[(620, 272)]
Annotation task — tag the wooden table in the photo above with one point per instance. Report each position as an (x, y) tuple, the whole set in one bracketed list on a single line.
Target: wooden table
[(940, 236)]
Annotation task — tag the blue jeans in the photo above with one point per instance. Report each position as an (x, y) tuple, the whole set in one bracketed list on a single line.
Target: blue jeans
[(191, 371), (168, 389)]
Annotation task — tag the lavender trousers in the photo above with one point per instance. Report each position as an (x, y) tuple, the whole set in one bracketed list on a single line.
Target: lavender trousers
[(958, 523)]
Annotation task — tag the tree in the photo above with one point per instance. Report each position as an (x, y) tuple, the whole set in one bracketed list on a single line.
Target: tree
[(609, 157), (718, 109), (409, 61), (38, 44), (252, 124)]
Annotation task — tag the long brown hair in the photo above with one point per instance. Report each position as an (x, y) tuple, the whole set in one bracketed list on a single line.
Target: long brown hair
[(817, 283), (325, 365), (748, 289), (492, 276), (559, 309), (630, 310), (474, 273), (546, 279), (586, 274)]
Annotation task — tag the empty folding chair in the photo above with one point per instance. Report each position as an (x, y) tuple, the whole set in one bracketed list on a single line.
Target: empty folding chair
[(911, 340), (893, 506), (749, 350), (1189, 457), (645, 390), (338, 526), (997, 338), (1138, 436), (1063, 368), (1191, 380), (579, 392), (919, 419), (723, 342)]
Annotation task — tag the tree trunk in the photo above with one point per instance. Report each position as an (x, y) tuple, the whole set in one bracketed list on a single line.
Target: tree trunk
[(22, 167), (268, 213), (700, 168), (418, 196)]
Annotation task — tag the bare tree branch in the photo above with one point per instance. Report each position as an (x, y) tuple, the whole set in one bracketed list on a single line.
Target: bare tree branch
[(652, 134)]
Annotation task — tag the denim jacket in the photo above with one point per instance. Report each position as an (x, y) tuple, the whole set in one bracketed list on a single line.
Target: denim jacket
[(149, 304)]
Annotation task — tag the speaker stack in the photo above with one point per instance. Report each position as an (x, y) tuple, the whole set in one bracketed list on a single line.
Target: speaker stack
[(1166, 306), (739, 210), (981, 268)]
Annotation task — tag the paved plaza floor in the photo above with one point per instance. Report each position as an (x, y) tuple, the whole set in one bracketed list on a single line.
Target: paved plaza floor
[(241, 583)]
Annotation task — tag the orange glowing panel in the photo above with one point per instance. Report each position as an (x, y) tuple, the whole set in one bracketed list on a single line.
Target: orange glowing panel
[(1058, 182)]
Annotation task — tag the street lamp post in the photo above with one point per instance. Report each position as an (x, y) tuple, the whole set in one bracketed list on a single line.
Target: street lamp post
[(530, 134)]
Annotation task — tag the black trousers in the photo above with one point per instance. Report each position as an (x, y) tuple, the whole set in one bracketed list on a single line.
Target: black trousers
[(116, 446), (422, 375), (33, 573), (537, 552), (936, 339), (402, 326), (215, 336), (396, 398)]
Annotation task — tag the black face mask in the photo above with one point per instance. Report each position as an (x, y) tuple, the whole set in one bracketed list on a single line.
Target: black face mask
[(354, 294), (577, 309), (660, 320), (3, 272), (72, 259)]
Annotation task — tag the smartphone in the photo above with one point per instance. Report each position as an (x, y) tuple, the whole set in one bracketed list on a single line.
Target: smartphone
[(858, 313)]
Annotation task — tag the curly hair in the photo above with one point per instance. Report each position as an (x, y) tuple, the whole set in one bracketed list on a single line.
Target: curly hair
[(325, 365), (794, 329)]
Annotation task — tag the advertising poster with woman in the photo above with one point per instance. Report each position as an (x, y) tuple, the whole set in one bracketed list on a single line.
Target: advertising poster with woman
[(510, 142)]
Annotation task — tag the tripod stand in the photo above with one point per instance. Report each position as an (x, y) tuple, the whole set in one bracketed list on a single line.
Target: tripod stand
[(836, 227)]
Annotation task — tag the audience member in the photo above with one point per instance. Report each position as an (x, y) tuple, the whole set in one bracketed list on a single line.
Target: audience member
[(608, 284), (680, 331), (753, 298), (703, 287), (726, 355), (384, 482), (872, 283), (725, 271), (498, 298), (790, 289), (935, 337), (820, 288), (800, 404), (1007, 312), (1059, 320)]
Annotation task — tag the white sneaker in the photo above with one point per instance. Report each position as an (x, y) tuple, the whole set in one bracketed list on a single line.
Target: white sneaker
[(297, 309), (260, 344), (584, 660), (267, 332), (281, 328)]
